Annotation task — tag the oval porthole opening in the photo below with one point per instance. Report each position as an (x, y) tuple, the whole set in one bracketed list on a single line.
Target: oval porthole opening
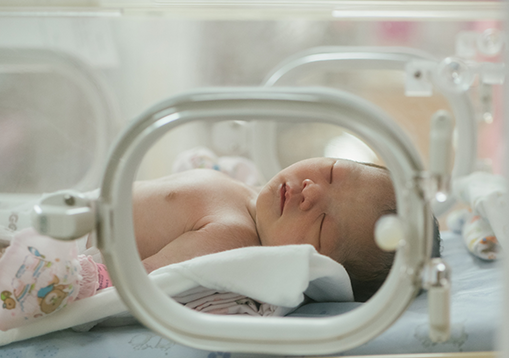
[(291, 336)]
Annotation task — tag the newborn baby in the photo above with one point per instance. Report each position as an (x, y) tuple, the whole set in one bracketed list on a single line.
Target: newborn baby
[(332, 204)]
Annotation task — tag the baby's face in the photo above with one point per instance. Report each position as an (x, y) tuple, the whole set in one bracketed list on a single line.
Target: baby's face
[(328, 203)]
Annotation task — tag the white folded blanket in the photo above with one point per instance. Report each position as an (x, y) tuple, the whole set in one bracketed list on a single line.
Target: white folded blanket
[(279, 275), (251, 280), (487, 195)]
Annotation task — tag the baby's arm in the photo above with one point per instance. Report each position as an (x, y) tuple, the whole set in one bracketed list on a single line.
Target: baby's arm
[(213, 237)]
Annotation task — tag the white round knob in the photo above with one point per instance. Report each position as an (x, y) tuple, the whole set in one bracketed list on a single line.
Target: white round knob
[(490, 42), (454, 75), (389, 232)]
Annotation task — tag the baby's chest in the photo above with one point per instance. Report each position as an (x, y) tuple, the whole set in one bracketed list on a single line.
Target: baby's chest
[(170, 207), (201, 202), (201, 199)]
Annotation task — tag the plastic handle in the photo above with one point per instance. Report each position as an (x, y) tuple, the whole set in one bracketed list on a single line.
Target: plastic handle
[(440, 153), (439, 313), (65, 215), (440, 143), (439, 300), (62, 223)]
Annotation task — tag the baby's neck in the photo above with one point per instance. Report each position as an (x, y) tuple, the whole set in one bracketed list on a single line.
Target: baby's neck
[(251, 200)]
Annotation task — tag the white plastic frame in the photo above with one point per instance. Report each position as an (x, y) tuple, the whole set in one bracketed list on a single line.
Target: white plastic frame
[(263, 334), (368, 58)]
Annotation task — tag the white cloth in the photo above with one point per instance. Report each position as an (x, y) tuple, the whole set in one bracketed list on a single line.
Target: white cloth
[(277, 276), (267, 281), (487, 195)]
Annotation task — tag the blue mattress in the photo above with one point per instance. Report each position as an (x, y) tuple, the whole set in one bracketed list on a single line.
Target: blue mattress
[(476, 299)]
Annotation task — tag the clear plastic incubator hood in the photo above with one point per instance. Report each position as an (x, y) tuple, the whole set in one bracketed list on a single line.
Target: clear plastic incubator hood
[(98, 95)]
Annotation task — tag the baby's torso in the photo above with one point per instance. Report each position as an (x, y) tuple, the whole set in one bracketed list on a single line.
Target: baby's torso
[(166, 208)]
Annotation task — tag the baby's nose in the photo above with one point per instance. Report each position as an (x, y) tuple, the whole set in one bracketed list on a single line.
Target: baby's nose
[(310, 194)]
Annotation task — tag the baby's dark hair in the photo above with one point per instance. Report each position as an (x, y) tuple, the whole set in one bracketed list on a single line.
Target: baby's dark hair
[(369, 275)]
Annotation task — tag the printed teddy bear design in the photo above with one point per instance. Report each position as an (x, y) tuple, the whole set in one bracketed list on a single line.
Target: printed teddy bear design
[(38, 277), (50, 295), (9, 302)]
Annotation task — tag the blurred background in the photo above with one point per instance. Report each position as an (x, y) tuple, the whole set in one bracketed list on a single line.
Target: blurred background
[(69, 83)]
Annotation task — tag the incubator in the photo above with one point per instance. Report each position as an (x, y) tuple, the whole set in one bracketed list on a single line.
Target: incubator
[(413, 86)]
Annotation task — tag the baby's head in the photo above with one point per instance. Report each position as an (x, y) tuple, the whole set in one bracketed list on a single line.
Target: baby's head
[(332, 204)]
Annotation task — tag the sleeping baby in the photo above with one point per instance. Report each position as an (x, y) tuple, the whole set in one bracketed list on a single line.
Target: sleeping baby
[(331, 204)]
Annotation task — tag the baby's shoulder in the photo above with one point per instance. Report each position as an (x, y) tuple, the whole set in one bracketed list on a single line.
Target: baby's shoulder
[(201, 175), (196, 181), (214, 181)]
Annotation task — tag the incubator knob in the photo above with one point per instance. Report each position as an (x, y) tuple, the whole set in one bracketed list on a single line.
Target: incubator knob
[(389, 232), (454, 75), (64, 216), (490, 42), (440, 153)]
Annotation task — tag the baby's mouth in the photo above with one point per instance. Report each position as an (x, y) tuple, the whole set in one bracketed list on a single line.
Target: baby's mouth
[(283, 197)]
